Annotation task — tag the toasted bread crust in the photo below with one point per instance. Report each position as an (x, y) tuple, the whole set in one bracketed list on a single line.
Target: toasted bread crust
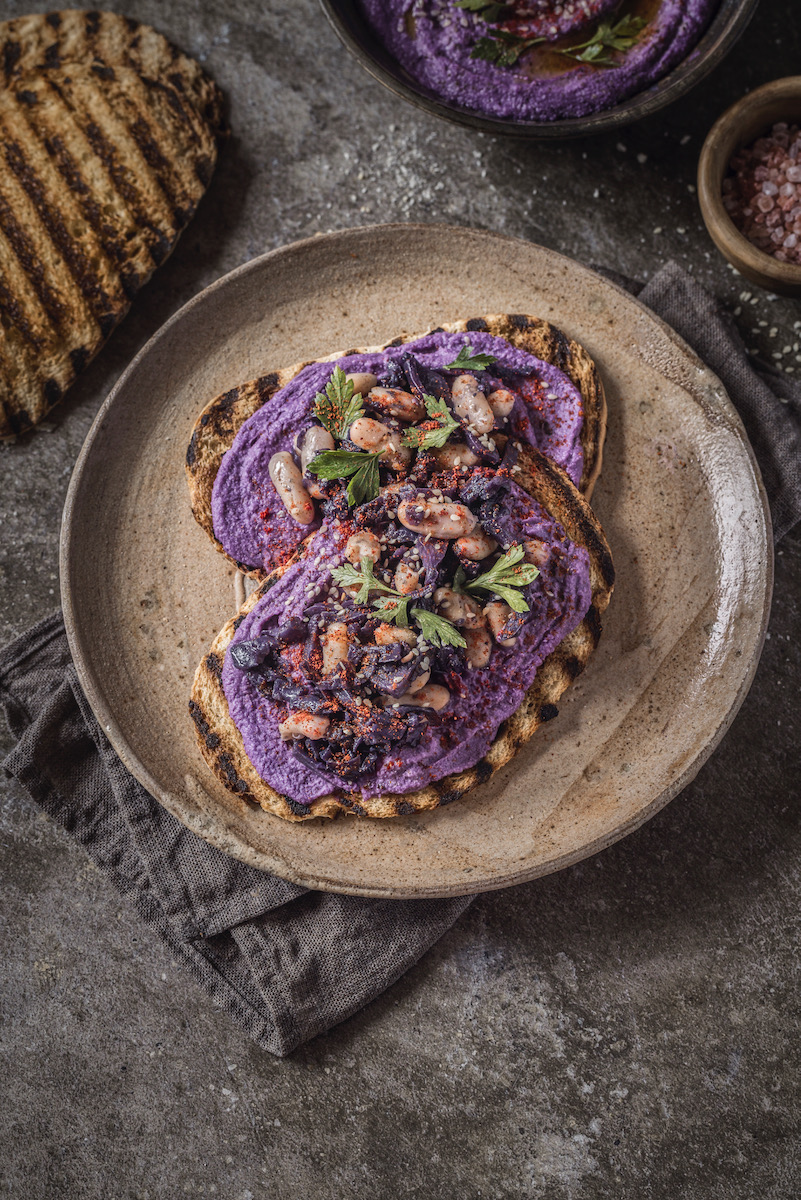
[(221, 743), (108, 139), (545, 341), (47, 41), (222, 418)]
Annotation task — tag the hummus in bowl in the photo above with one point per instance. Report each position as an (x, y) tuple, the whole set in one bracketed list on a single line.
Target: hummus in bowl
[(566, 68), (540, 60)]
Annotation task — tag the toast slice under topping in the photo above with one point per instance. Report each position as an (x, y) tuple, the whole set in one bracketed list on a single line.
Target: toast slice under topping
[(223, 418), (222, 743)]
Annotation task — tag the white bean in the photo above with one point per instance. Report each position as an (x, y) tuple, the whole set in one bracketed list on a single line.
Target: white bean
[(303, 724), (406, 578), (419, 683), (476, 546), (479, 647), (362, 545), (470, 403), (378, 438), (439, 518), (396, 403), (498, 613), (462, 610), (386, 634), (288, 482), (335, 646), (362, 382), (396, 456), (368, 434), (501, 401), (431, 696), (315, 440), (454, 454), (536, 552)]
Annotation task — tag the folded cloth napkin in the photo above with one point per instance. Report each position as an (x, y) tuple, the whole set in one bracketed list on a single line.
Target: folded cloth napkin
[(284, 962), (768, 401)]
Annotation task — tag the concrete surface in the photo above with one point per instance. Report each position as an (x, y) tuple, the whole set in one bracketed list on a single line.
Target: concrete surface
[(626, 1028)]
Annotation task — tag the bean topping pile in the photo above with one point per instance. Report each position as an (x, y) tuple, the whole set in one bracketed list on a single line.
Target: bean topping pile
[(413, 476)]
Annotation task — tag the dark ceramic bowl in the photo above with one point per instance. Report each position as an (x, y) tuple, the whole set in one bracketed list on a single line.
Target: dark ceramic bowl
[(724, 30)]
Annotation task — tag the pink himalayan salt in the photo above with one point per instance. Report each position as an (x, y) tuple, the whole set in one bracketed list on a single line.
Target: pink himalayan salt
[(762, 192)]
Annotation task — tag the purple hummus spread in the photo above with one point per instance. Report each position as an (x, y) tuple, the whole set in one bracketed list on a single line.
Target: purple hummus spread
[(251, 522), (441, 742), (538, 60), (432, 586)]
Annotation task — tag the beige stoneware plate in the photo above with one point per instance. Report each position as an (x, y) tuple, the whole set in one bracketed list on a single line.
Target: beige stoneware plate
[(680, 499)]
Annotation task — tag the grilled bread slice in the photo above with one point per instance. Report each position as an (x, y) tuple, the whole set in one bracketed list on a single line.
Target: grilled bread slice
[(221, 419), (44, 41), (221, 743), (102, 169)]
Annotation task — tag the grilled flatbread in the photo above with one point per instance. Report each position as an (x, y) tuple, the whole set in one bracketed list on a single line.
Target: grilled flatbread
[(221, 744), (222, 418), (103, 166), (44, 41)]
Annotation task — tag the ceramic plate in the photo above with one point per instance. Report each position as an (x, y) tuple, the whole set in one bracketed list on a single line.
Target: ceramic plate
[(679, 497)]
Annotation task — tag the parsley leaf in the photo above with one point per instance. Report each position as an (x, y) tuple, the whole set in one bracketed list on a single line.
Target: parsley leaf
[(488, 10), (338, 464), (337, 407), (466, 360), (503, 49), (621, 35), (363, 576), (360, 467), (437, 630), (394, 606), (425, 439), (505, 577), (365, 484), (392, 609)]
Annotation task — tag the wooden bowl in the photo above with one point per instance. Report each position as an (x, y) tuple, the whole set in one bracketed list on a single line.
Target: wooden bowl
[(740, 125), (726, 26)]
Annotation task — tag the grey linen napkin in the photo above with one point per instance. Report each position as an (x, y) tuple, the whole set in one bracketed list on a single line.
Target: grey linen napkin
[(768, 401), (284, 962)]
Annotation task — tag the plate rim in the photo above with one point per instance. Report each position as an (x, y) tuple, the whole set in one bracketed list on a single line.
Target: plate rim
[(226, 840)]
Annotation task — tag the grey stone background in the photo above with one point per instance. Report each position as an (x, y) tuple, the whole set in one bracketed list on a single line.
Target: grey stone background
[(625, 1028)]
